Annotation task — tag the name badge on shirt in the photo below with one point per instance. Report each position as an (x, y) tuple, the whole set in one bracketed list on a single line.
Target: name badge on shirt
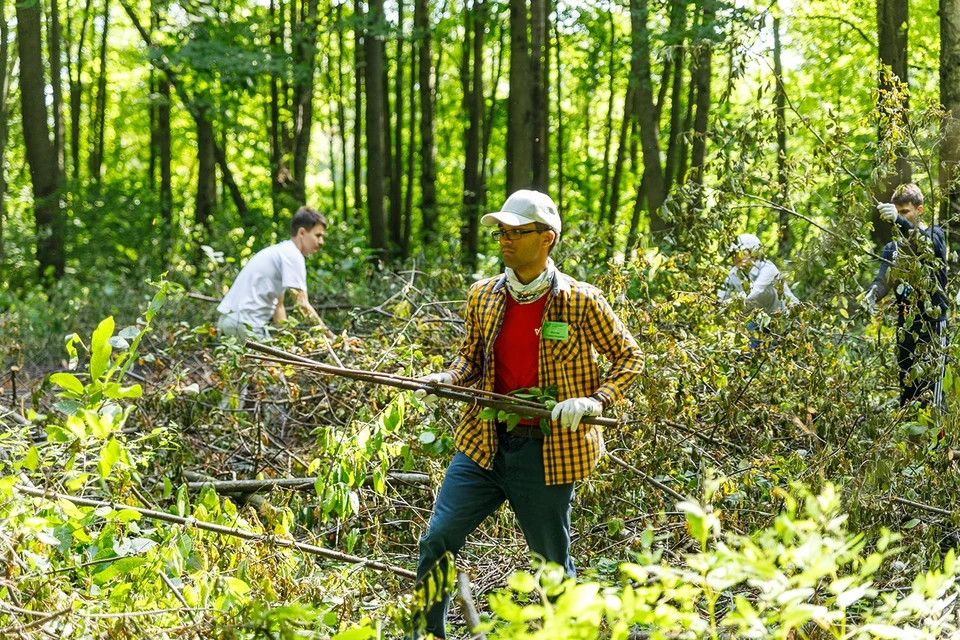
[(556, 330)]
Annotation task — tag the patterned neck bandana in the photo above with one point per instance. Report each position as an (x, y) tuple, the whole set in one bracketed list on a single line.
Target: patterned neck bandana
[(533, 290)]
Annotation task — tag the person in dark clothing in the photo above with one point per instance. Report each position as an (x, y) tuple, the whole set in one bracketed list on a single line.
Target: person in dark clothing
[(914, 266)]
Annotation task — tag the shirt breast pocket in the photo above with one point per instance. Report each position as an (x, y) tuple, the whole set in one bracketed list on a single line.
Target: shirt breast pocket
[(563, 350)]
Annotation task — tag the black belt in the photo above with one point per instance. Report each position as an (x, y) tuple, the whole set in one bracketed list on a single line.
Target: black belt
[(531, 431)]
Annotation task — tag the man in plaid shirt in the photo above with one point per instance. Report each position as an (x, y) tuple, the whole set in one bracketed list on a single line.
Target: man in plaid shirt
[(529, 327)]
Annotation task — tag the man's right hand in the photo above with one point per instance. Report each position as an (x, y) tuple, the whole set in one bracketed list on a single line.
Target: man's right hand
[(434, 378), (869, 302), (888, 212)]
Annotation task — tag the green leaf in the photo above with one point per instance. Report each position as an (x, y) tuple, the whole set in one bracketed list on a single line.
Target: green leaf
[(522, 582), (100, 348), (513, 419), (115, 391), (488, 413), (912, 523), (32, 458), (70, 342), (356, 633), (109, 456), (129, 333), (428, 437), (68, 381)]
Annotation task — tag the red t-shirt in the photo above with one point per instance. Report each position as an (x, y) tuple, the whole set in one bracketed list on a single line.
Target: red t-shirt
[(517, 347)]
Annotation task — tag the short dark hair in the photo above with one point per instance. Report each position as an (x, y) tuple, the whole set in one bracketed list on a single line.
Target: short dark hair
[(908, 194), (556, 235), (306, 218)]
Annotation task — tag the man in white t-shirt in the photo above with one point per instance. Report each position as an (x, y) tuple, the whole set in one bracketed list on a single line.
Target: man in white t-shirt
[(256, 296)]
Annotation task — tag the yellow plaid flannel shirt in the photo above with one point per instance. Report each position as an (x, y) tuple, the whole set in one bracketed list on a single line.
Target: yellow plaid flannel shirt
[(570, 364)]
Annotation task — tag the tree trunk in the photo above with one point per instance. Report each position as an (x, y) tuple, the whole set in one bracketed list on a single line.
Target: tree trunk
[(98, 119), (474, 27), (396, 176), (560, 120), (54, 38), (277, 170), (76, 93), (375, 130), (5, 64), (360, 70), (628, 102), (540, 76), (701, 80), (160, 136), (206, 171), (342, 115), (892, 29), (676, 110), (411, 159), (520, 131), (304, 63), (428, 170), (608, 138), (488, 121), (41, 154), (783, 194), (653, 180), (950, 97)]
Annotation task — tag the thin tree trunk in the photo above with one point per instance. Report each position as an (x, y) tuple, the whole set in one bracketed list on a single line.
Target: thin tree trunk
[(560, 120), (41, 154), (396, 176), (472, 74), (277, 171), (652, 180), (230, 182), (206, 202), (54, 38), (540, 76), (894, 103), (783, 195), (676, 111), (5, 64), (489, 120), (611, 217), (304, 57), (608, 138), (950, 97), (428, 171), (360, 70), (701, 80), (520, 131), (411, 159), (375, 130), (98, 120), (342, 115), (76, 93), (165, 153)]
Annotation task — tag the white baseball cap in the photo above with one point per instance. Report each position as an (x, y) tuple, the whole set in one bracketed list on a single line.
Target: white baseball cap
[(746, 242), (523, 207)]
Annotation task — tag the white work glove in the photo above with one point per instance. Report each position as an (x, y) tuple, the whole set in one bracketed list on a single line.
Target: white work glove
[(434, 378), (569, 412), (869, 301), (888, 212)]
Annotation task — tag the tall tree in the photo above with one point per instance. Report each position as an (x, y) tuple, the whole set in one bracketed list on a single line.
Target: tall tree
[(75, 75), (41, 154), (160, 135), (700, 81), (6, 78), (428, 170), (780, 98), (54, 40), (304, 40), (475, 25), (892, 31), (98, 117), (950, 97), (520, 132), (540, 89), (360, 70), (373, 49), (396, 175)]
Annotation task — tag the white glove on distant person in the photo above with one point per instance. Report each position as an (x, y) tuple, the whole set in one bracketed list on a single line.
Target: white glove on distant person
[(869, 301), (888, 212), (434, 378), (569, 412)]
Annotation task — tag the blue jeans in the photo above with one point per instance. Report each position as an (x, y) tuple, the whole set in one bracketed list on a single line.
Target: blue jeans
[(470, 493)]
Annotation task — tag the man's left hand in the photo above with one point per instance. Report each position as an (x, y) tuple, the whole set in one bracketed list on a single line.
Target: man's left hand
[(571, 411)]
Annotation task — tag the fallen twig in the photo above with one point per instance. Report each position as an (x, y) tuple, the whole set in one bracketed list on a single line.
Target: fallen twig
[(461, 394), (223, 530), (920, 505), (467, 606), (647, 478), (250, 486)]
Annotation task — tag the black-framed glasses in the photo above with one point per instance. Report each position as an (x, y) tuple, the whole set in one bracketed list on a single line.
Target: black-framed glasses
[(514, 234)]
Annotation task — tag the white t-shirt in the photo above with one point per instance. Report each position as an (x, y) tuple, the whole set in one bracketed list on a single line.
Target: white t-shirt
[(764, 280), (254, 294)]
